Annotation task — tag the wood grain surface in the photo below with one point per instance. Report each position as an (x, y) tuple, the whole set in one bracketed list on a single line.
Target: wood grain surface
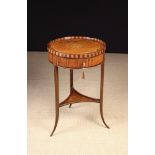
[(76, 52)]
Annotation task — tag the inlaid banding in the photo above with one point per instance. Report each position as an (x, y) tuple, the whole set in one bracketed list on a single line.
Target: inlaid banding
[(94, 53)]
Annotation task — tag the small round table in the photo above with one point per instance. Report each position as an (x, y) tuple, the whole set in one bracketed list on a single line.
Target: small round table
[(76, 52)]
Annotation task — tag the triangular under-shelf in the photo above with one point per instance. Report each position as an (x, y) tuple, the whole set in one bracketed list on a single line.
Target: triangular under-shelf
[(76, 97)]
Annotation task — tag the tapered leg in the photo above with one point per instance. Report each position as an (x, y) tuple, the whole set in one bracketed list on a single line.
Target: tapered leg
[(71, 83), (101, 94), (56, 80)]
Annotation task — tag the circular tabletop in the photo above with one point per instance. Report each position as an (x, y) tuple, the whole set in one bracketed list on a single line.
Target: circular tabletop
[(76, 51)]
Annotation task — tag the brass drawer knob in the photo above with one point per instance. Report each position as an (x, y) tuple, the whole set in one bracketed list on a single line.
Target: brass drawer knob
[(84, 64)]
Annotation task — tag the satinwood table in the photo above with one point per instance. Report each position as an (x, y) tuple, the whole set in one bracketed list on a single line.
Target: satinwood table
[(76, 52)]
